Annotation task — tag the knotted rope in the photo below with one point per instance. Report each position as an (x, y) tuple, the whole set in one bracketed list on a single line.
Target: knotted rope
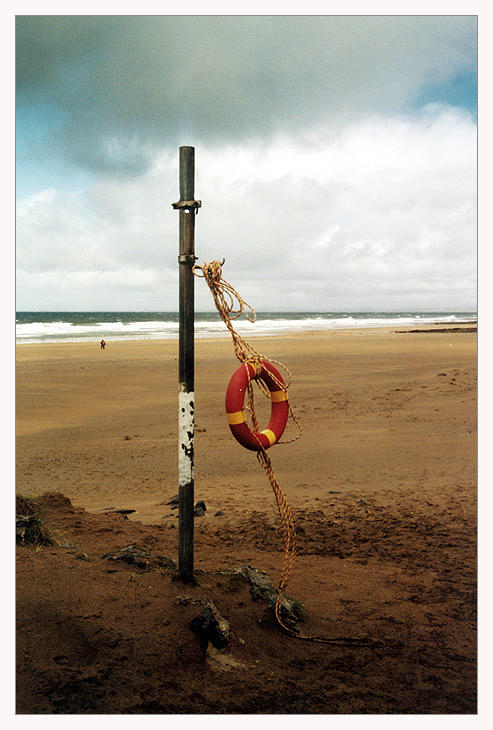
[(226, 298), (231, 306)]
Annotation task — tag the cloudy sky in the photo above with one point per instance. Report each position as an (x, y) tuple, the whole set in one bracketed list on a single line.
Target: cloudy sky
[(335, 159)]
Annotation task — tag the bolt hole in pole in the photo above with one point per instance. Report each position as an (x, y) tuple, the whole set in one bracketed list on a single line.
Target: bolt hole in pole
[(187, 207)]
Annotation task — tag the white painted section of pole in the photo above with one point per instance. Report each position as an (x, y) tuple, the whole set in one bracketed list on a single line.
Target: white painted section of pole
[(186, 424)]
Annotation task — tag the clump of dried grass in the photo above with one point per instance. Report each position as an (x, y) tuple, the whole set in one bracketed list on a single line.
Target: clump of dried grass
[(32, 528)]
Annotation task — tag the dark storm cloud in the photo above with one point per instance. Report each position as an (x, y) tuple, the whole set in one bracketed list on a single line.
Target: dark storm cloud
[(117, 88)]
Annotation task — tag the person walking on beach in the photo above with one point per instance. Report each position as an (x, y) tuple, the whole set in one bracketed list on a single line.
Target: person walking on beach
[(103, 344)]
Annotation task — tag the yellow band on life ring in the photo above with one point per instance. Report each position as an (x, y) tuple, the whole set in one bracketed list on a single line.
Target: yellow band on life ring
[(277, 396), (236, 417), (270, 435)]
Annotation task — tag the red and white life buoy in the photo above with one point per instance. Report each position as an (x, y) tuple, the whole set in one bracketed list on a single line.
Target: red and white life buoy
[(235, 405)]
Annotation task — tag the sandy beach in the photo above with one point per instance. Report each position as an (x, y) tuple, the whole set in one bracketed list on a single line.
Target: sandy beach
[(382, 484), (389, 414)]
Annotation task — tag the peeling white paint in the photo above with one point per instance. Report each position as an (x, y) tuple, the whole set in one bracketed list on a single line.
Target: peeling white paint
[(186, 421)]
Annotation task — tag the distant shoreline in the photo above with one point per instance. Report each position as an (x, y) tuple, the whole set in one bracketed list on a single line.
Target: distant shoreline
[(33, 328), (453, 328)]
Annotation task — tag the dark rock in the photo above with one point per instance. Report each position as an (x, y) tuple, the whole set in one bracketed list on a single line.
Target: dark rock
[(261, 589), (189, 601), (124, 511), (173, 502), (200, 508), (219, 513), (141, 558), (200, 625), (210, 626), (130, 555), (287, 617)]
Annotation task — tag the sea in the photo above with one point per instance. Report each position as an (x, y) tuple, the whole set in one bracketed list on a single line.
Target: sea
[(40, 327)]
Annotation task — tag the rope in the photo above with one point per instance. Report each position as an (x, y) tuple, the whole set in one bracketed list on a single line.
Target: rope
[(226, 298), (231, 306)]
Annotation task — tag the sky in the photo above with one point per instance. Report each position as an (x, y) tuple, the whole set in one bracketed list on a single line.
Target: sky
[(335, 156)]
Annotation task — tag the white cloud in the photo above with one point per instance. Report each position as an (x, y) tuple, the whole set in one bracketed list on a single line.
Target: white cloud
[(378, 214)]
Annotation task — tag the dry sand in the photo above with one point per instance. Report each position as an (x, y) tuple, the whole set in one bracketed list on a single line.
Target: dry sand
[(383, 489)]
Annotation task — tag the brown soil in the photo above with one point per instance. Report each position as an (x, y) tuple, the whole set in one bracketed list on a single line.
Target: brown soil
[(101, 636)]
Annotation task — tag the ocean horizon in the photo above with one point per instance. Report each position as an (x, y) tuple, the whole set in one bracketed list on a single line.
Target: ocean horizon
[(39, 327)]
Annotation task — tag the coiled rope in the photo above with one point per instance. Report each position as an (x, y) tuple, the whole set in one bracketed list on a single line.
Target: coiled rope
[(231, 306)]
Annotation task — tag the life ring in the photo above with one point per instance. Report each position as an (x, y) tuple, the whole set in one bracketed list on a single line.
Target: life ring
[(235, 405)]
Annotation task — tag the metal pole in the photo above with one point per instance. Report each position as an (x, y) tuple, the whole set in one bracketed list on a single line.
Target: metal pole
[(186, 259)]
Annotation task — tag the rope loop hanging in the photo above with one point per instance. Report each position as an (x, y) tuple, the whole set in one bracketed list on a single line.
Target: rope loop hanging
[(231, 306)]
